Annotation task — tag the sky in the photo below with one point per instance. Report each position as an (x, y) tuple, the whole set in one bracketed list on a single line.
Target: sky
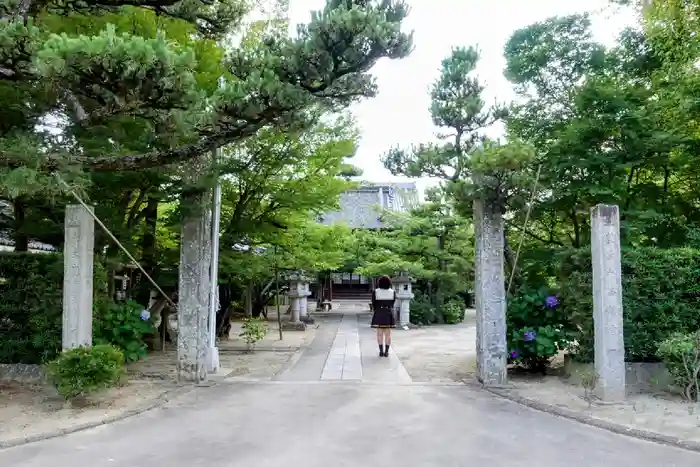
[(399, 114)]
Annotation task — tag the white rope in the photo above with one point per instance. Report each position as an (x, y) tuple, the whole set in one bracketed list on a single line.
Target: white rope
[(114, 239), (522, 237)]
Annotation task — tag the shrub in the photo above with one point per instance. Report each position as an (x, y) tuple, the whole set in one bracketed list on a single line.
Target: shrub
[(85, 370), (31, 306), (681, 355), (661, 297), (453, 311), (254, 329), (422, 312), (538, 327), (124, 325)]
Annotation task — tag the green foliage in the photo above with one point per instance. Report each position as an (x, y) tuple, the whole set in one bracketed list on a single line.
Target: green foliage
[(282, 178), (283, 182), (31, 305), (609, 125), (422, 312), (104, 72), (453, 312), (660, 296), (85, 370), (681, 355), (254, 330), (538, 327), (470, 165), (124, 325)]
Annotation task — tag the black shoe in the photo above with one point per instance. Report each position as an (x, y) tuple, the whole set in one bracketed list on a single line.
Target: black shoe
[(381, 351), (386, 351)]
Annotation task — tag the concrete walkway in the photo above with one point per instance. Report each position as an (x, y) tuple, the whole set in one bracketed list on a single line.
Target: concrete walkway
[(342, 405)]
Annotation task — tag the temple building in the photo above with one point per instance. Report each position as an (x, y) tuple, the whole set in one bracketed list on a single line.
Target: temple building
[(361, 208)]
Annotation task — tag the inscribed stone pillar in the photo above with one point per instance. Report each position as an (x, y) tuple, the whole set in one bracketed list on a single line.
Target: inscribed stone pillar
[(490, 295), (78, 258), (607, 303), (194, 286)]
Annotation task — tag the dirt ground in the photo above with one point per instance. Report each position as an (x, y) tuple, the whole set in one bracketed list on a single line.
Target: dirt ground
[(270, 356), (658, 413), (445, 353), (29, 410)]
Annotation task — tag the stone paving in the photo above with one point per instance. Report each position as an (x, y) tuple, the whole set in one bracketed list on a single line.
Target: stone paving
[(345, 349), (344, 360)]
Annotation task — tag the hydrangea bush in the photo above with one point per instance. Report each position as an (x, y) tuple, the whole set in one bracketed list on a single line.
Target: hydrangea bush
[(538, 328), (125, 325)]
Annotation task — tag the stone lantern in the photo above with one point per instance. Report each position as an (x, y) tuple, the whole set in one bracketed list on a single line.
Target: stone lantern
[(298, 295), (404, 294)]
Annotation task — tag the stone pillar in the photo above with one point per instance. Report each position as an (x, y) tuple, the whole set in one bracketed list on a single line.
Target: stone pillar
[(303, 302), (295, 306), (490, 295), (78, 256), (304, 293), (404, 295), (194, 285), (607, 303), (298, 293)]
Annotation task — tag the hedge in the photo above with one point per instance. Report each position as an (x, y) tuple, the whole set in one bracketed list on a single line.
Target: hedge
[(660, 296), (31, 310)]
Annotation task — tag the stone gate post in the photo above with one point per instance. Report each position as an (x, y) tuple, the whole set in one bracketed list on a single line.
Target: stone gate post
[(194, 280), (490, 295), (78, 257), (607, 303)]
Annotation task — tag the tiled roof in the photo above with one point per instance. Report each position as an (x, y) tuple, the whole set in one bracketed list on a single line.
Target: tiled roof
[(361, 207), (6, 240)]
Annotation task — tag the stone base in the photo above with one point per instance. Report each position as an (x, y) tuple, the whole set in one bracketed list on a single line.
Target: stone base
[(595, 400), (213, 360), (293, 326), (307, 320), (640, 378), (22, 373)]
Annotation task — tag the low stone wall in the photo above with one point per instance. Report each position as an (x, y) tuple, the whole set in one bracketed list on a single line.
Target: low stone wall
[(640, 378), (21, 373)]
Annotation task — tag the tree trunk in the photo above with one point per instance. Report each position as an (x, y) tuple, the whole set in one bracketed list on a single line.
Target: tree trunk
[(249, 300), (148, 250), (19, 237)]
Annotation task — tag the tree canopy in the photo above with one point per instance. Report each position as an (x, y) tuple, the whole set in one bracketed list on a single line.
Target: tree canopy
[(86, 81)]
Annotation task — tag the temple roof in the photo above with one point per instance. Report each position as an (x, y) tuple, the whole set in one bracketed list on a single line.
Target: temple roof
[(360, 208)]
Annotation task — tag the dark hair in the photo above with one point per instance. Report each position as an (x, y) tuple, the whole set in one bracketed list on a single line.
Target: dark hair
[(384, 282)]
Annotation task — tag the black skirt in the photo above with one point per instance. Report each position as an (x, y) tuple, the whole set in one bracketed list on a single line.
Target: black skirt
[(383, 317)]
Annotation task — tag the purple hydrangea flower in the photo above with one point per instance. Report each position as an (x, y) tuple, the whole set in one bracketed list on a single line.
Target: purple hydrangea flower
[(530, 336), (514, 354), (551, 301), (145, 315)]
